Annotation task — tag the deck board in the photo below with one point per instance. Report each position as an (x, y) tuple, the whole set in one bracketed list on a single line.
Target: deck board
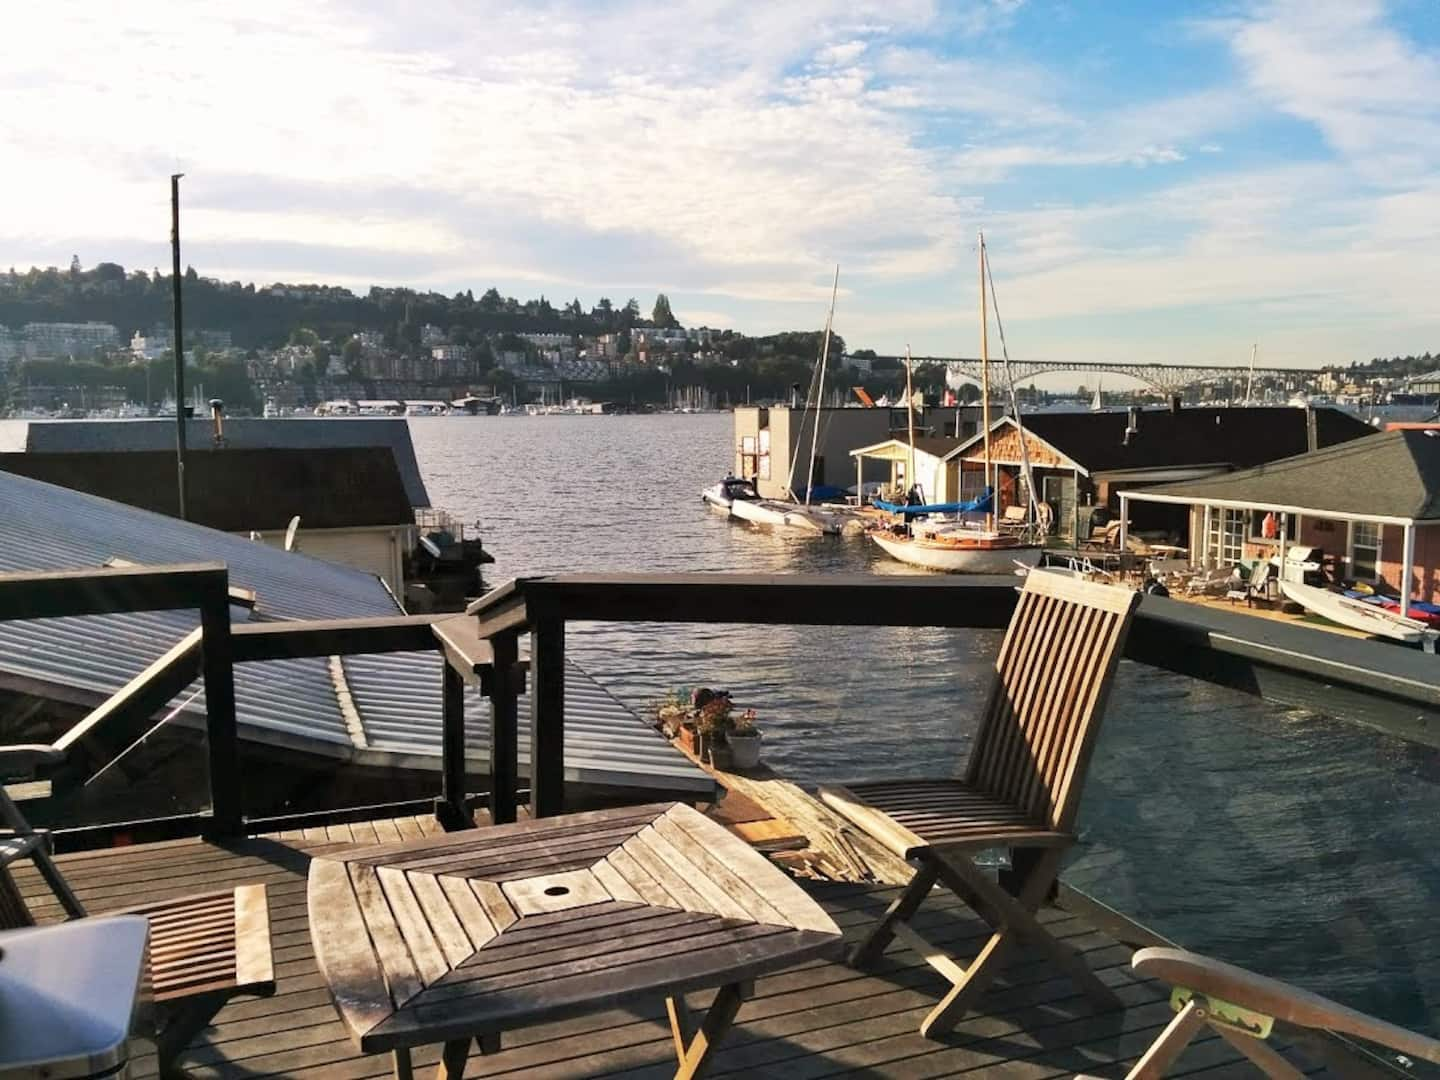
[(816, 1019)]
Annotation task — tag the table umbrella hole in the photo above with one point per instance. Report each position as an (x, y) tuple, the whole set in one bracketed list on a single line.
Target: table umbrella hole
[(556, 890)]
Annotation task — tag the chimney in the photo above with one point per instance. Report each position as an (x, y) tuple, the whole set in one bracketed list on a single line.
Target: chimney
[(1132, 424), (1312, 429), (1175, 402), (794, 395), (217, 416)]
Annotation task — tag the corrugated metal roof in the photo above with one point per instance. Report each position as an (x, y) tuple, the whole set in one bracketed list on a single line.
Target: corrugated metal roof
[(290, 702)]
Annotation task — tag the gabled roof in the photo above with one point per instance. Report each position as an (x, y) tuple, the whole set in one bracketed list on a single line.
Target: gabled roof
[(235, 489), (1393, 475), (1237, 437), (288, 703), (934, 445)]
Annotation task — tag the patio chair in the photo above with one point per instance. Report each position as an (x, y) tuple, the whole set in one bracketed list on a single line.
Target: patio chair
[(1212, 582), (1021, 789), (204, 949), (1241, 1007)]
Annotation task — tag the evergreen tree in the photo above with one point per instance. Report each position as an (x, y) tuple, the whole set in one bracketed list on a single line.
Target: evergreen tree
[(662, 316)]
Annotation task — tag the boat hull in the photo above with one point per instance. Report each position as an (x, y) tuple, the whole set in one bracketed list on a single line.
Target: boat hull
[(1355, 614), (778, 515), (953, 559)]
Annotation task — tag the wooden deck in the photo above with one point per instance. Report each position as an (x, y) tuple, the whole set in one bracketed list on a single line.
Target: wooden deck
[(817, 1019)]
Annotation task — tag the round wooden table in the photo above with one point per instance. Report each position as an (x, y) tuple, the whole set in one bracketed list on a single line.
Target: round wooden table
[(467, 935)]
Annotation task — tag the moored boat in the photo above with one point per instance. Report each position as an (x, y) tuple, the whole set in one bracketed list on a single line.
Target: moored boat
[(784, 515), (960, 551), (727, 492), (1357, 614)]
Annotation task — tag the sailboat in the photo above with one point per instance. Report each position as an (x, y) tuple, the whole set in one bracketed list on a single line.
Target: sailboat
[(792, 513), (956, 545)]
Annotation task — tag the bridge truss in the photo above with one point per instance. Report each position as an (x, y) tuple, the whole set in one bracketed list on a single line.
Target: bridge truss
[(1163, 378)]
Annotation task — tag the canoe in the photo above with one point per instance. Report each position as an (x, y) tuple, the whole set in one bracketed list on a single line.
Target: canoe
[(1356, 614), (952, 554)]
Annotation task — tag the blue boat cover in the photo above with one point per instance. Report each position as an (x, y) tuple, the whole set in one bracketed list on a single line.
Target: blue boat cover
[(974, 505)]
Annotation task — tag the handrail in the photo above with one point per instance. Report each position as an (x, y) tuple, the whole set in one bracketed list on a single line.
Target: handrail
[(1376, 683)]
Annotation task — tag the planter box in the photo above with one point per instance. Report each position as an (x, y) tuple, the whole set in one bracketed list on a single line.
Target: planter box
[(689, 740)]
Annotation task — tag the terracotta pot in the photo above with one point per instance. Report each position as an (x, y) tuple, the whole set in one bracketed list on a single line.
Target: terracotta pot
[(689, 740)]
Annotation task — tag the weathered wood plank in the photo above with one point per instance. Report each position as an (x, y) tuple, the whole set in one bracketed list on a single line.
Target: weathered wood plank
[(401, 976), (349, 965)]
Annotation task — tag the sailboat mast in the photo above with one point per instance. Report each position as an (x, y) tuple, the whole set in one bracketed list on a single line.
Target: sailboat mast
[(1250, 381), (985, 382), (910, 421), (820, 387)]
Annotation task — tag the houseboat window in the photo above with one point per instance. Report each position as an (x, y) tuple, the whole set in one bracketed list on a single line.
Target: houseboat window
[(764, 470), (1227, 536), (1364, 550), (748, 464)]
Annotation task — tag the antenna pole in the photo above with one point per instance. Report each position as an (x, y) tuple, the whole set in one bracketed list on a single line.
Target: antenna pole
[(179, 343)]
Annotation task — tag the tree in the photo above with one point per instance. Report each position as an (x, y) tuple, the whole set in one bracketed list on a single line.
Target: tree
[(662, 316)]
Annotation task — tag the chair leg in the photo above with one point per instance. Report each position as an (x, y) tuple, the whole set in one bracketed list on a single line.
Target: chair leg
[(182, 1024), (699, 1050), (400, 1061), (901, 910), (979, 974), (1170, 1043), (1265, 1056)]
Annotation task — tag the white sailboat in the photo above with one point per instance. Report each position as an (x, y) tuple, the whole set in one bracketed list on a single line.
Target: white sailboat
[(958, 546), (792, 513)]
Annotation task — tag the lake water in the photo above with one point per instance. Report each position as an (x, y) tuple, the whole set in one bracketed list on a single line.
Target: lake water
[(1300, 845)]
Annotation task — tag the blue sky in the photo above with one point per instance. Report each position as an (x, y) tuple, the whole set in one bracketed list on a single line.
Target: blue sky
[(1161, 182)]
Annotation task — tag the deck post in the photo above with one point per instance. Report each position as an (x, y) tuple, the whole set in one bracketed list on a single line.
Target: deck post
[(1407, 568), (1124, 526), (547, 717), (451, 810), (221, 739), (504, 690)]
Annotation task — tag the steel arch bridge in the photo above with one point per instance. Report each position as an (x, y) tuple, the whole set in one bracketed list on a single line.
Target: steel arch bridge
[(1163, 378)]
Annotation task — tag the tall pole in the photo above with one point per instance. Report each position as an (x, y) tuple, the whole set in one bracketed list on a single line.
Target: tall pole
[(909, 423), (985, 384), (1250, 380), (179, 344), (820, 389)]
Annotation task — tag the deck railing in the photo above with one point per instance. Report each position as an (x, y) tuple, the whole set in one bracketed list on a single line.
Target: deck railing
[(1375, 683)]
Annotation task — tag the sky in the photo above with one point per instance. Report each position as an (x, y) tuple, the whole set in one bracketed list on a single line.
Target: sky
[(1156, 182)]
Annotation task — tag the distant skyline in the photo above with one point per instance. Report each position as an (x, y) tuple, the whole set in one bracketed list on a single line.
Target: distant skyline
[(1156, 182)]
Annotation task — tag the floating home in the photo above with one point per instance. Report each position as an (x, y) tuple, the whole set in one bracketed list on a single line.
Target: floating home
[(1084, 460), (1371, 509)]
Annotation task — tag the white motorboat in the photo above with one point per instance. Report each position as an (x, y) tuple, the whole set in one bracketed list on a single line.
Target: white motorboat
[(727, 492), (1356, 614)]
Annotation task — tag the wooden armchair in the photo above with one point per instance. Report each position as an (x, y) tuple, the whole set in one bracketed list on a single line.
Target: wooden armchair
[(1021, 788), (204, 949), (1241, 1007)]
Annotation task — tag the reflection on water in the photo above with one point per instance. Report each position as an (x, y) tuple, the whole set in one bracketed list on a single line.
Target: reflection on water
[(1297, 844)]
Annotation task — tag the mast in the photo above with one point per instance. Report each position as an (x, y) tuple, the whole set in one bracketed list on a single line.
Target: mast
[(179, 348), (910, 422), (985, 383), (1250, 381), (819, 394)]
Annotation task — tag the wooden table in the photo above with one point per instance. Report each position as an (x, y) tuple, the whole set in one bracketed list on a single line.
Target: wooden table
[(467, 935)]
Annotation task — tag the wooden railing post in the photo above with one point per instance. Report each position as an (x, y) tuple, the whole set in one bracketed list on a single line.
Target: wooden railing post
[(451, 810), (504, 692), (547, 717), (227, 817)]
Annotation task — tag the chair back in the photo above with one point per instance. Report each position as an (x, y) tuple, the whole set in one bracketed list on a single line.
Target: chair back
[(1052, 680)]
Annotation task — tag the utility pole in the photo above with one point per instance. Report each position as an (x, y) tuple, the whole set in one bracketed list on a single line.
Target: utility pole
[(179, 343)]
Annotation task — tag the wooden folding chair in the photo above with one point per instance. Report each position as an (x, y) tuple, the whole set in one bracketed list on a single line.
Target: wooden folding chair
[(1021, 789), (1241, 1007), (204, 950)]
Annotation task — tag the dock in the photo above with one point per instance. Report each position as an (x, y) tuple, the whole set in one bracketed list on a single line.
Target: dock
[(817, 1019)]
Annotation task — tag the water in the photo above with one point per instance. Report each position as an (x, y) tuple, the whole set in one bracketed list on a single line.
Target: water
[(1296, 844)]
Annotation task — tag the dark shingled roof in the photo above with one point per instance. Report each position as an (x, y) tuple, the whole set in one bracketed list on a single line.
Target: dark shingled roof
[(238, 489), (1239, 437), (1396, 474)]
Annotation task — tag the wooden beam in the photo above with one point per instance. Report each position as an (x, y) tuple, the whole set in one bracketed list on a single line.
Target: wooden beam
[(125, 715), (334, 637), (222, 740), (466, 652), (547, 718), (451, 809), (504, 767), (102, 590)]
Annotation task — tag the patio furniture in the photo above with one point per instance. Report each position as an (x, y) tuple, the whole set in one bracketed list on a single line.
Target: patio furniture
[(1214, 581), (204, 949), (1241, 1007), (1021, 789), (68, 995), (464, 936)]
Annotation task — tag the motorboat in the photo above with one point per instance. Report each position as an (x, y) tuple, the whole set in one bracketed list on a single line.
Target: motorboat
[(722, 496), (1357, 614), (960, 550)]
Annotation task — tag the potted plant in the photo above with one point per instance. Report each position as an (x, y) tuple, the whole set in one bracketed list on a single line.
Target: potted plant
[(673, 717), (743, 740), (713, 723)]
